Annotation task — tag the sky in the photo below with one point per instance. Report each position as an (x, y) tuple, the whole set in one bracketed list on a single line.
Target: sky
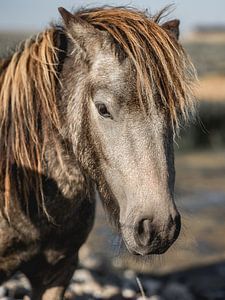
[(30, 15)]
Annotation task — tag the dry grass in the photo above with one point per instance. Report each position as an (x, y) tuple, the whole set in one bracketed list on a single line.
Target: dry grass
[(211, 88), (207, 38)]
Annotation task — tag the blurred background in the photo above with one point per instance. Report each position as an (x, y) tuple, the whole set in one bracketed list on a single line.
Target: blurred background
[(194, 268)]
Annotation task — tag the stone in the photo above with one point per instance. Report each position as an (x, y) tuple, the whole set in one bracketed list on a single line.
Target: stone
[(128, 293), (129, 274), (3, 291), (156, 297), (76, 288), (151, 286), (17, 287), (82, 275), (93, 288), (93, 263), (176, 291), (110, 291), (129, 280)]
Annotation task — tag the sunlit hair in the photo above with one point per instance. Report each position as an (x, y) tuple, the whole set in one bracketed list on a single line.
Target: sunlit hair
[(28, 79), (164, 71), (28, 113)]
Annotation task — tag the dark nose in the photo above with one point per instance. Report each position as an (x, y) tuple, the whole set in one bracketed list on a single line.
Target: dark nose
[(176, 223), (154, 239), (145, 232)]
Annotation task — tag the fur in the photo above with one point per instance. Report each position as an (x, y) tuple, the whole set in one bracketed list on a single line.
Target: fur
[(51, 164)]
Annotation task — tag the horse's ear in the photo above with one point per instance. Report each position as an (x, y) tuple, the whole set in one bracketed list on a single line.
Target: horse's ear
[(173, 28), (66, 16), (77, 27)]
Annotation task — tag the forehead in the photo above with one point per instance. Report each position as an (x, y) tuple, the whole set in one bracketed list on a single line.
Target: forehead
[(110, 73), (115, 80)]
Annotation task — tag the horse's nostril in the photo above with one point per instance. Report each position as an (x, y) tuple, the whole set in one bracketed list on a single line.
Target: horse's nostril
[(177, 222), (143, 226), (145, 232), (153, 238), (177, 219)]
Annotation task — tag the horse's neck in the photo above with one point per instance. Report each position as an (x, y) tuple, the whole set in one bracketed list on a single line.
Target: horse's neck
[(62, 167)]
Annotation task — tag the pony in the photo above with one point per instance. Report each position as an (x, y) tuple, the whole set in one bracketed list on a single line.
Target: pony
[(89, 107)]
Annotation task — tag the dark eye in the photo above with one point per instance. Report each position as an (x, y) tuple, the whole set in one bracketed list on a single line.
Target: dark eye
[(102, 110)]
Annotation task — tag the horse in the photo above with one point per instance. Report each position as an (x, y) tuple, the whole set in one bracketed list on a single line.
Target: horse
[(89, 107)]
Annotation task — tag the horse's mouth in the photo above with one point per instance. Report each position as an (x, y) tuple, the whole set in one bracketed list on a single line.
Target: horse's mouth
[(154, 245), (150, 250)]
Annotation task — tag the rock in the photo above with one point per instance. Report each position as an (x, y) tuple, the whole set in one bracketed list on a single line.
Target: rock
[(69, 295), (82, 275), (15, 290), (3, 291), (129, 281), (176, 291), (151, 286), (218, 294), (75, 288), (128, 293), (17, 287), (93, 288), (209, 284), (155, 297), (93, 263), (110, 291), (19, 292), (221, 269), (129, 274)]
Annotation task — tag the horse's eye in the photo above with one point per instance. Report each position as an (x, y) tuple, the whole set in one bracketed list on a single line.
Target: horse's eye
[(102, 110)]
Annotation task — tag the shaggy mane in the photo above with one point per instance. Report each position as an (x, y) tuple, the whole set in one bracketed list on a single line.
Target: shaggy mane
[(28, 79), (161, 63), (28, 114)]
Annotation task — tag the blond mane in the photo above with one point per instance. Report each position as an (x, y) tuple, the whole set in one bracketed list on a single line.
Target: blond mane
[(161, 63), (28, 110), (27, 104)]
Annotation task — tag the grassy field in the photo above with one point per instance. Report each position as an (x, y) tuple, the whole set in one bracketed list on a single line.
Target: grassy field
[(208, 58), (9, 40)]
